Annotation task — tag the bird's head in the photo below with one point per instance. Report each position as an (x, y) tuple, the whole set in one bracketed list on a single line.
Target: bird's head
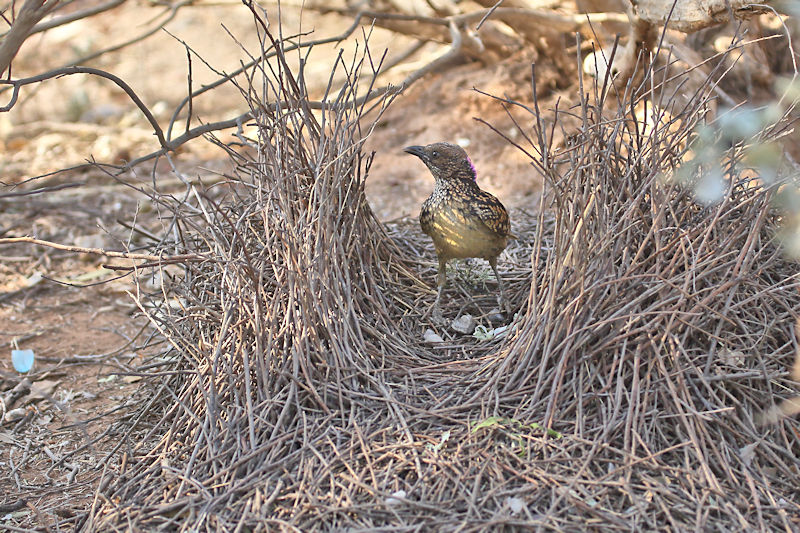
[(444, 160)]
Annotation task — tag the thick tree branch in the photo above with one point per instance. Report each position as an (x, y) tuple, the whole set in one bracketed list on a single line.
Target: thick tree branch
[(556, 21), (31, 13)]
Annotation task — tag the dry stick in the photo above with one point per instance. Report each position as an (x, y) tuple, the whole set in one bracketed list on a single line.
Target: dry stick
[(42, 190), (488, 14), (99, 251), (559, 22)]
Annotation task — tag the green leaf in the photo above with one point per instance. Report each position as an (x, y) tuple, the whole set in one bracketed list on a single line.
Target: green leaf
[(489, 422), (437, 447), (553, 433)]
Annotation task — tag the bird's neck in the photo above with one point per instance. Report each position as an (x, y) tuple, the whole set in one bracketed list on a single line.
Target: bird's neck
[(457, 175), (456, 183)]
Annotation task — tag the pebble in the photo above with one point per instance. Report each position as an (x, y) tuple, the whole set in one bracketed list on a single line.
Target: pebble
[(465, 324)]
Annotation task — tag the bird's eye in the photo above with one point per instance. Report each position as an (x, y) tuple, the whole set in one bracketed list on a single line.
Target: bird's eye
[(434, 153)]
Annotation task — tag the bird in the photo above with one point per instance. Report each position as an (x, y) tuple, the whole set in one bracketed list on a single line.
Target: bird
[(461, 219)]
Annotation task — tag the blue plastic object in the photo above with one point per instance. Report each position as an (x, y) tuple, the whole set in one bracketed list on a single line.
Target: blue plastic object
[(22, 360)]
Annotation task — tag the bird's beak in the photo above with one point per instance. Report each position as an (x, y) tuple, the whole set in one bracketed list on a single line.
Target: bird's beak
[(418, 151)]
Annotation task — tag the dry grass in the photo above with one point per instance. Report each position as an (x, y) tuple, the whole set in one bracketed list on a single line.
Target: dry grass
[(297, 393)]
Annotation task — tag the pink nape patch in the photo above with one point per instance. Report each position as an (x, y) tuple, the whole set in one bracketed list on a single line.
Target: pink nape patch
[(472, 167)]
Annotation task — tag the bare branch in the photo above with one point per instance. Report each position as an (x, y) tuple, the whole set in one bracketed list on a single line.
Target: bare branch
[(100, 251), (66, 71), (77, 15), (197, 132), (31, 13), (171, 11), (488, 14), (42, 190), (555, 21)]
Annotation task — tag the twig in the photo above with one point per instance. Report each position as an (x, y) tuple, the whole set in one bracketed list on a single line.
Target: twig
[(172, 12), (42, 190), (488, 14), (99, 251), (68, 71)]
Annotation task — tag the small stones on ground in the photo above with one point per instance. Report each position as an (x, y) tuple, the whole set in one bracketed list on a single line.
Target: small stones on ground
[(515, 505), (396, 498), (496, 317), (431, 336), (465, 324), (15, 414)]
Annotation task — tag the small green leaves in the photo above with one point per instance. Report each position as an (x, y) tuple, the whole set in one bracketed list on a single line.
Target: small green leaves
[(513, 424), (489, 422), (436, 447)]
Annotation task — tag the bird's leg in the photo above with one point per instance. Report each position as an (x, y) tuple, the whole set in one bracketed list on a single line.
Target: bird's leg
[(441, 280), (502, 301)]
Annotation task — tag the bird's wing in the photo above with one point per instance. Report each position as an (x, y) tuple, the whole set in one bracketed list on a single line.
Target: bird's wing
[(426, 218), (492, 214)]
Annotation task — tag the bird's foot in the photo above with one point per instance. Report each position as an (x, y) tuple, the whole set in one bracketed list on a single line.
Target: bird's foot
[(504, 306), (436, 315)]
